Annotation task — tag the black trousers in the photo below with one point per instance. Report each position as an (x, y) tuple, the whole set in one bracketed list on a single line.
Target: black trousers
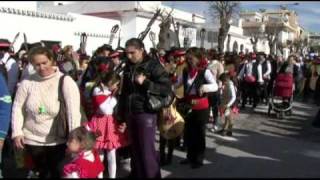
[(170, 143), (248, 91), (47, 160), (196, 135), (214, 100)]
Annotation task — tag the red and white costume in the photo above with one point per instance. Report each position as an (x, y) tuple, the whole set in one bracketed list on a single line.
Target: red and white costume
[(103, 121), (84, 165)]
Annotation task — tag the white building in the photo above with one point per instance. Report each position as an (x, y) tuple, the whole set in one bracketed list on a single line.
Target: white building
[(38, 26), (283, 22), (132, 15), (63, 22), (238, 41)]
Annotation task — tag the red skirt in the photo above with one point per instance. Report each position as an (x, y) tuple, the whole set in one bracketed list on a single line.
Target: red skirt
[(107, 127)]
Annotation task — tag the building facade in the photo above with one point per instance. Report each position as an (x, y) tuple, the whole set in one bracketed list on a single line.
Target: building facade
[(133, 17)]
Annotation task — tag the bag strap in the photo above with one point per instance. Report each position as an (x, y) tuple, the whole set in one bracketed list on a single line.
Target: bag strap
[(60, 89), (61, 96)]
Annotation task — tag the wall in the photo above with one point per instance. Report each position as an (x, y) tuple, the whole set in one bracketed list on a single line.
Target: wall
[(93, 25), (38, 29), (129, 27)]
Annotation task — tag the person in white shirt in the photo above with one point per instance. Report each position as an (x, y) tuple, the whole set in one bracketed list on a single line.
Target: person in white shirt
[(263, 75), (247, 76)]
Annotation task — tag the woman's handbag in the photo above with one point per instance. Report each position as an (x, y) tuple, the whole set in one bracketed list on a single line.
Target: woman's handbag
[(156, 102), (171, 123), (62, 118)]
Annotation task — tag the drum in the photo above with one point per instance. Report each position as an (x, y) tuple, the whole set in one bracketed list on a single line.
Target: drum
[(171, 123)]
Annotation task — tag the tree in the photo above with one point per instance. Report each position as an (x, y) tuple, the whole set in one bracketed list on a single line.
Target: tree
[(224, 10)]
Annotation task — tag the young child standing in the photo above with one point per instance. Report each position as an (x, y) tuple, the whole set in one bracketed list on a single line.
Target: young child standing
[(227, 108), (86, 162), (104, 123)]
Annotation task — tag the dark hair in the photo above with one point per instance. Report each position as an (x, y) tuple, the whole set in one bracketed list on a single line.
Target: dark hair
[(86, 138), (197, 52), (40, 51), (224, 77), (135, 42), (106, 78)]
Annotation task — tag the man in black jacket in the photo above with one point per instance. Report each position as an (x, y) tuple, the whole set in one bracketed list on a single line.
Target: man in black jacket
[(142, 75)]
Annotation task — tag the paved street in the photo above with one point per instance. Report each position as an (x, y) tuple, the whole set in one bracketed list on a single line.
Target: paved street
[(264, 147)]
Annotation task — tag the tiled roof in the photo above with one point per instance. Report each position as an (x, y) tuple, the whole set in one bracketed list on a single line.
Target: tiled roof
[(54, 16)]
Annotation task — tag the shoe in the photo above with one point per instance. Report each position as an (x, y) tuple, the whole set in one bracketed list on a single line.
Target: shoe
[(185, 161), (220, 132), (213, 130), (229, 133)]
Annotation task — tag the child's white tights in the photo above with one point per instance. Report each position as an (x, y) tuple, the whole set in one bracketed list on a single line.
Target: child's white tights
[(111, 162)]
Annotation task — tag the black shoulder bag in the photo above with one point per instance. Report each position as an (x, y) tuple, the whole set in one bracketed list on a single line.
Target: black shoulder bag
[(156, 102), (62, 118)]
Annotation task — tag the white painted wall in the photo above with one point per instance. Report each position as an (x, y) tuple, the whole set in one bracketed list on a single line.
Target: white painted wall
[(35, 28), (38, 29), (93, 25)]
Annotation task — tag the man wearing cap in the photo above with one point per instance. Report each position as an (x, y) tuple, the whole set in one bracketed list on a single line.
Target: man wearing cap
[(10, 64)]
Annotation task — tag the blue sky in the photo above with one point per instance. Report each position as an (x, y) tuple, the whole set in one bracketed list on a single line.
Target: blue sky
[(308, 11)]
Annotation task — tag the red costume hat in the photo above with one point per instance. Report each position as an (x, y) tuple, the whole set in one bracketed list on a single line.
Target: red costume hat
[(179, 53), (4, 43), (115, 54)]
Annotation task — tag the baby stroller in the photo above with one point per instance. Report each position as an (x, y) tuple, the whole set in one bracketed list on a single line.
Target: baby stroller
[(282, 95)]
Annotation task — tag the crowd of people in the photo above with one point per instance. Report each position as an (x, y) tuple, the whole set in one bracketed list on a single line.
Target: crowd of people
[(73, 115)]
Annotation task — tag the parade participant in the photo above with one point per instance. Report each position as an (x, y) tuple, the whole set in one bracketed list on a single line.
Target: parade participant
[(85, 162), (101, 56), (216, 69), (142, 75), (198, 81), (5, 112), (263, 70), (228, 99), (298, 77), (27, 68), (103, 121), (266, 71), (69, 64), (316, 74), (118, 63), (176, 78), (179, 60), (36, 126), (248, 78), (10, 64)]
